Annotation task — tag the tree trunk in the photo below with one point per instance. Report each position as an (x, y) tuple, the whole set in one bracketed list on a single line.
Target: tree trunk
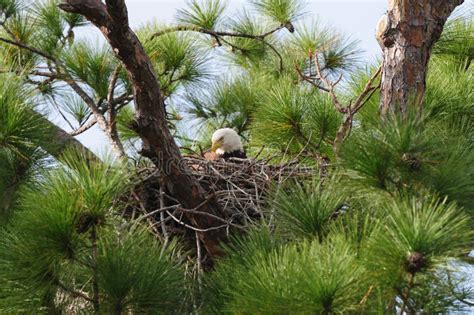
[(407, 33), (150, 120)]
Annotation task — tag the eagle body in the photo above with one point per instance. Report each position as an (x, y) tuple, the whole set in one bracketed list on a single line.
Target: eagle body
[(234, 154)]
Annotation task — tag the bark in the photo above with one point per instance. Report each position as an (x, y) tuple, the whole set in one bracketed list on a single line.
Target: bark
[(406, 34), (61, 141), (150, 120)]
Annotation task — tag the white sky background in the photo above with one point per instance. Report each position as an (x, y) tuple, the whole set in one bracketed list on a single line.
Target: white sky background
[(356, 18)]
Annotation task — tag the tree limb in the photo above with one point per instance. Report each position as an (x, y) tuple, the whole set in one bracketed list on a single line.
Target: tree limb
[(350, 110), (218, 35), (115, 142), (27, 47), (192, 28)]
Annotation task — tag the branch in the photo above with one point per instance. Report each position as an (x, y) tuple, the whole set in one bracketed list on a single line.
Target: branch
[(367, 89), (110, 101), (114, 140), (117, 104), (192, 28), (218, 35), (73, 292), (94, 10), (350, 110), (27, 47), (112, 83), (84, 127), (330, 87), (309, 80)]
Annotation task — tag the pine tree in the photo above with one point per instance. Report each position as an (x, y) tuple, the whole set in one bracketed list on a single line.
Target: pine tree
[(384, 227)]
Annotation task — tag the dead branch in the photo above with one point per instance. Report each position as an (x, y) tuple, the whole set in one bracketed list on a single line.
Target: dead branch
[(348, 110)]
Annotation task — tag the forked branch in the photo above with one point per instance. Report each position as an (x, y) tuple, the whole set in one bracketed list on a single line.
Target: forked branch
[(348, 110)]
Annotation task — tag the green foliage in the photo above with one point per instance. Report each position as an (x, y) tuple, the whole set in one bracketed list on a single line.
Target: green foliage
[(47, 253), (306, 210), (439, 291), (248, 49), (356, 222), (133, 279), (280, 11), (411, 154), (291, 118), (55, 26), (50, 19), (97, 184), (92, 64), (21, 132), (282, 279), (76, 107), (178, 59), (389, 225), (24, 29), (206, 14), (228, 103), (457, 40), (450, 93), (9, 8), (124, 122), (337, 54), (368, 115), (427, 226)]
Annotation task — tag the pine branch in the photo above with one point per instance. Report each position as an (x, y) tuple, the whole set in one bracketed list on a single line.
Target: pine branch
[(349, 110), (192, 28), (84, 127), (113, 138), (73, 292), (29, 48), (220, 37), (310, 80)]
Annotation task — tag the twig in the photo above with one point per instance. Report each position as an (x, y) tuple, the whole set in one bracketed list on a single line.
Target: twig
[(162, 218), (329, 86), (192, 227), (84, 127), (73, 292), (27, 47), (309, 80), (191, 28)]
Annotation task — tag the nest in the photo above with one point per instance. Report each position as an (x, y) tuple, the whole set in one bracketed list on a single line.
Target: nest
[(242, 187)]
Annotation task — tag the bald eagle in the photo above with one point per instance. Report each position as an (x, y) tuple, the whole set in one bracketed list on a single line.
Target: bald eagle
[(226, 144)]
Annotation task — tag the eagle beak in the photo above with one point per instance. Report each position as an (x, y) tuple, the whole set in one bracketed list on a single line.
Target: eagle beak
[(216, 145)]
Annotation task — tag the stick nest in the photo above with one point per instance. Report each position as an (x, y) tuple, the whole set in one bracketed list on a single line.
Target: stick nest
[(242, 187)]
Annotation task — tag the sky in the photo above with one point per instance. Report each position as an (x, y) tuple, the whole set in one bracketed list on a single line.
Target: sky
[(356, 18)]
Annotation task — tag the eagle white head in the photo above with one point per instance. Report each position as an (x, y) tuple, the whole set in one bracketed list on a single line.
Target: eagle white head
[(226, 140)]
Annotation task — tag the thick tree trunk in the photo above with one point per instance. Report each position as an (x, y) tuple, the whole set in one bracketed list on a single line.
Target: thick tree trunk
[(406, 34), (158, 144)]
